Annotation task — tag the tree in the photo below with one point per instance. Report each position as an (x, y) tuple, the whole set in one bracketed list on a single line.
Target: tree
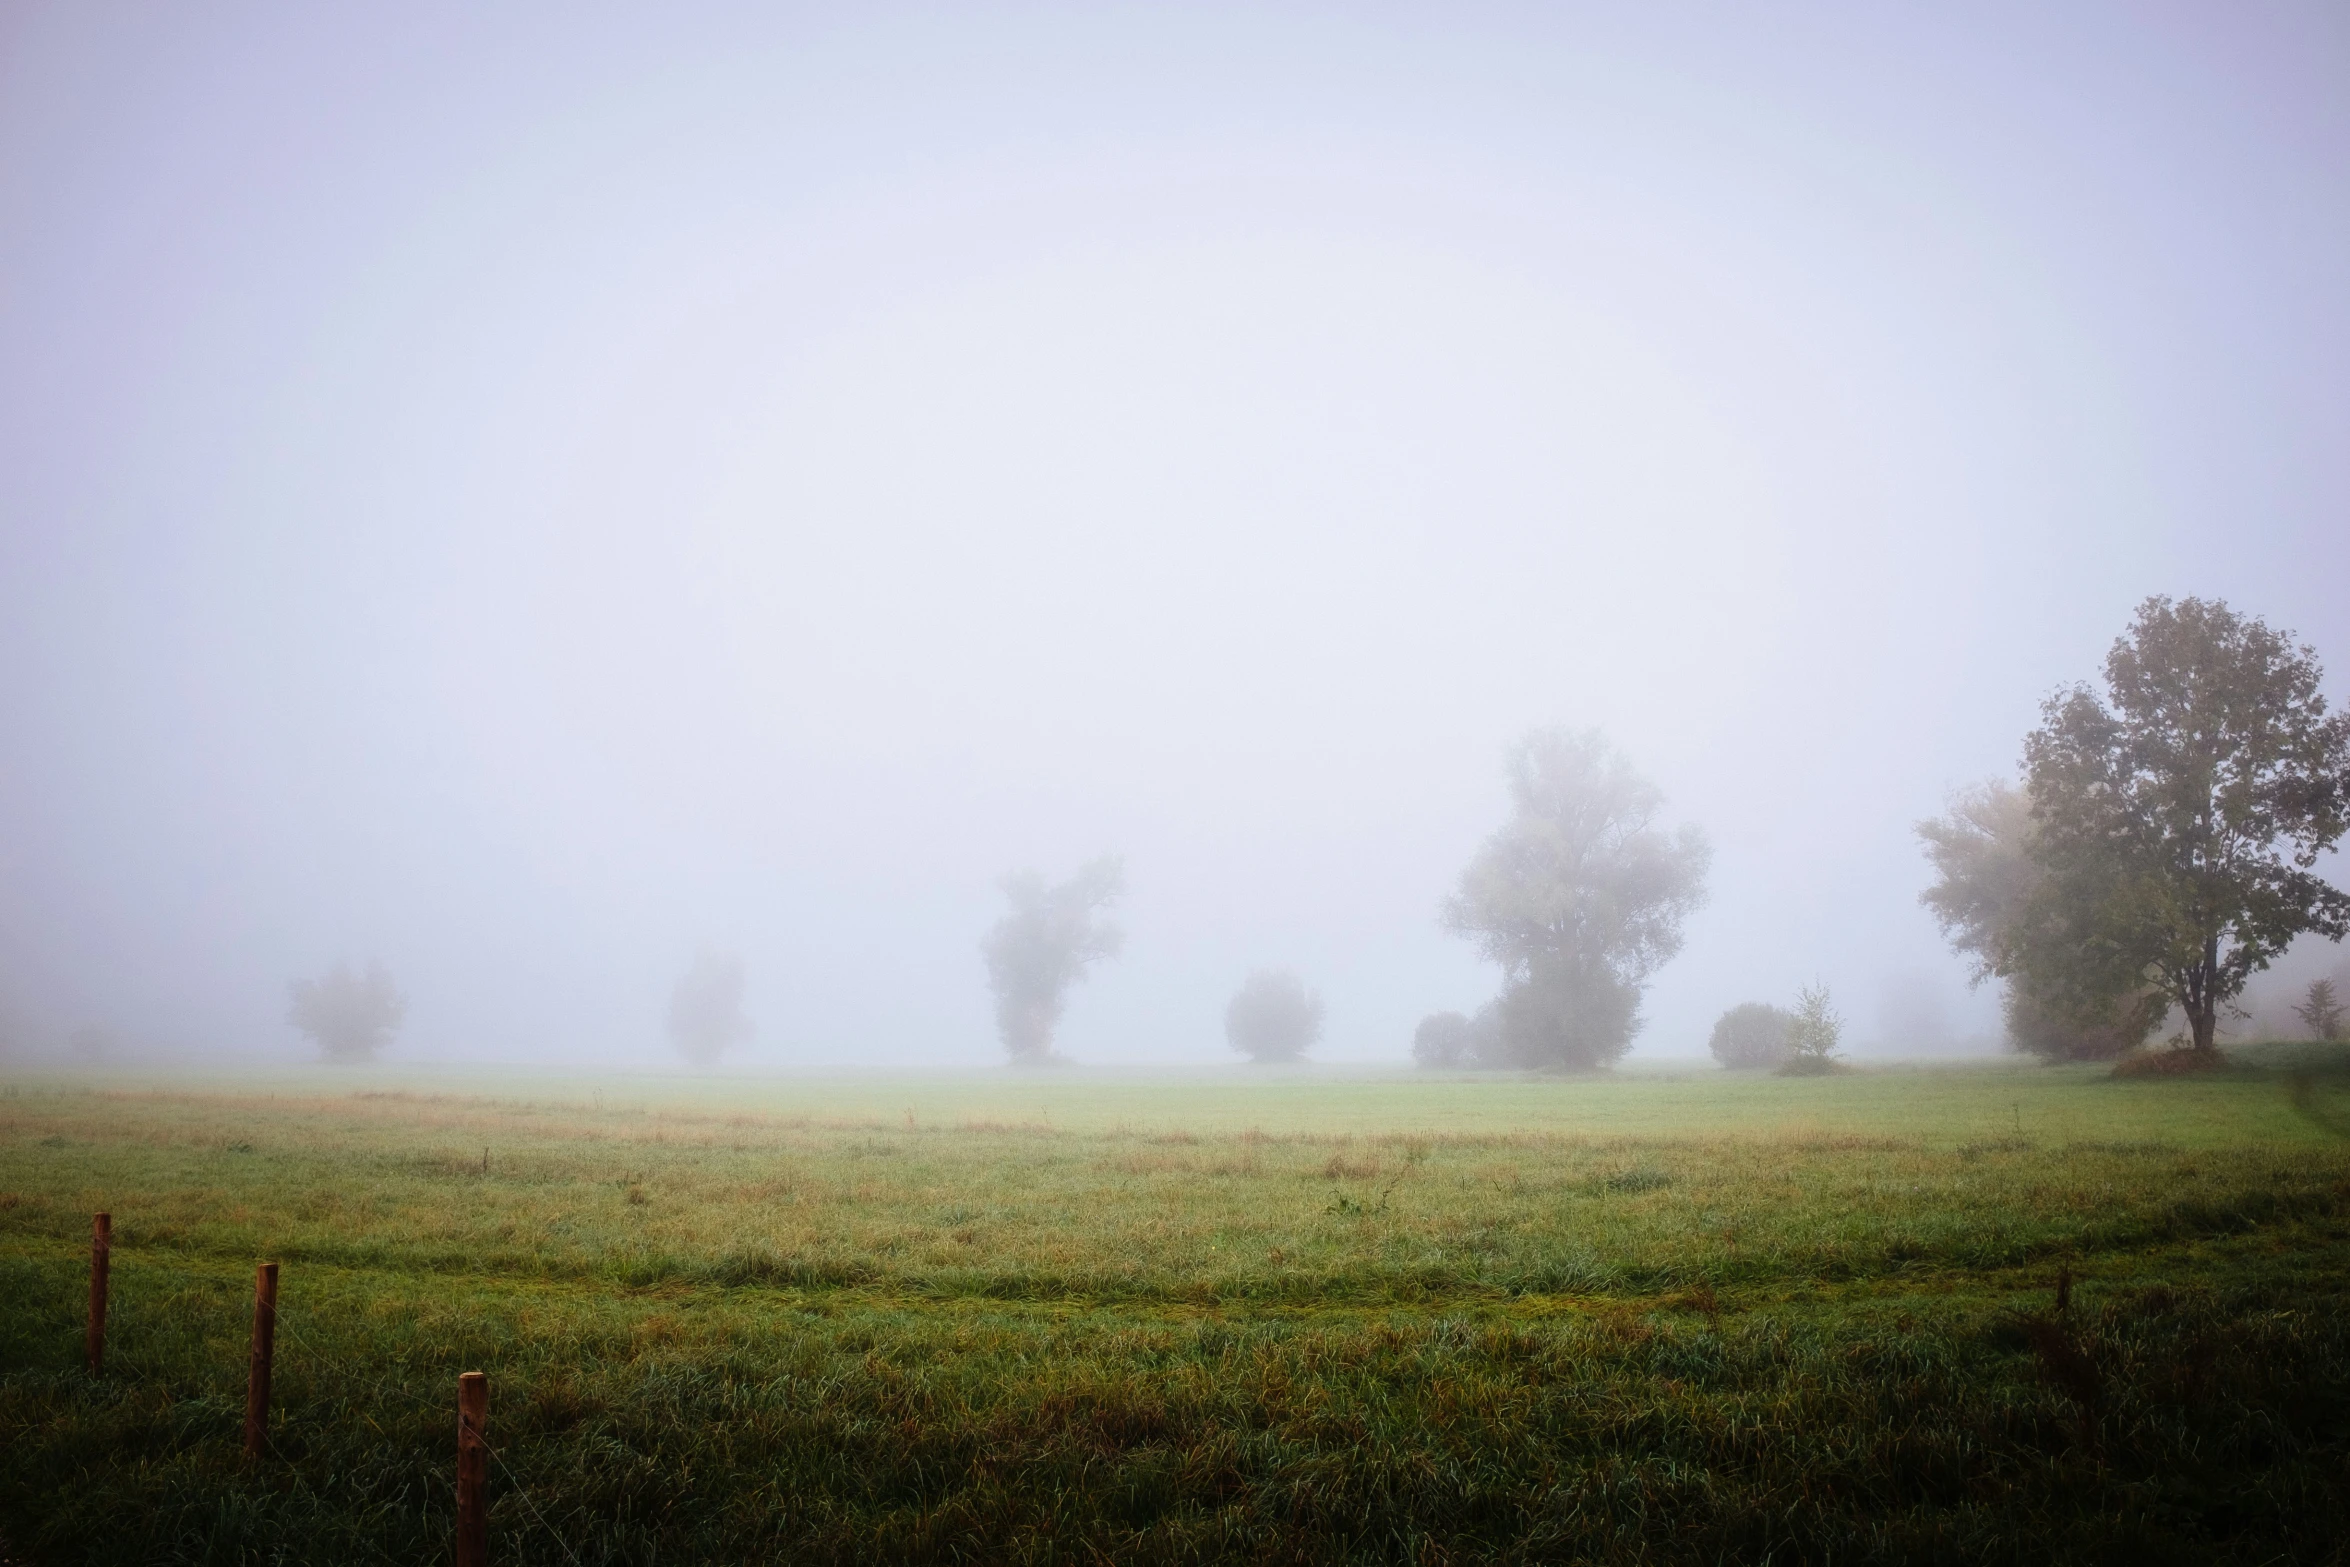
[(1444, 1041), (1813, 1033), (2177, 818), (1579, 899), (1044, 944), (1987, 873), (706, 1009), (1752, 1037), (1452, 1041), (2321, 1013), (348, 1016), (1273, 1017)]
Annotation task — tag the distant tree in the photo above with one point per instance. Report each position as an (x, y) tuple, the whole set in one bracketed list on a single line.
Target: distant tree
[(2321, 1013), (348, 1016), (1987, 874), (1813, 1033), (1442, 1041), (1752, 1037), (706, 1008), (1579, 898), (1273, 1017), (1044, 944), (2177, 817)]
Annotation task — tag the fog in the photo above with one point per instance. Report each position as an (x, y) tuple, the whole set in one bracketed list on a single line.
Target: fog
[(534, 499)]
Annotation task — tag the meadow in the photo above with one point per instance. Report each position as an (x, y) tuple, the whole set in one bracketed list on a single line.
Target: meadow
[(1991, 1313)]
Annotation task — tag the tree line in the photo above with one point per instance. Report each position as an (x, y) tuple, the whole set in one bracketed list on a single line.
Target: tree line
[(2158, 850)]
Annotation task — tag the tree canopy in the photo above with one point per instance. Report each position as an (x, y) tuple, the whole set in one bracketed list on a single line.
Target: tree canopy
[(706, 1008), (2178, 816), (1987, 874), (1578, 898), (348, 1016), (1044, 943), (1273, 1017)]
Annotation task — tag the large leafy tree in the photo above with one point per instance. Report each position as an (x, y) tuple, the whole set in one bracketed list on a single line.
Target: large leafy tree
[(1047, 939), (1273, 1017), (706, 1008), (349, 1016), (1578, 899), (2179, 816), (1987, 872)]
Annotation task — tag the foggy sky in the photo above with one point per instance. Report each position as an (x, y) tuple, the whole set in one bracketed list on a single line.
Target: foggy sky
[(532, 497)]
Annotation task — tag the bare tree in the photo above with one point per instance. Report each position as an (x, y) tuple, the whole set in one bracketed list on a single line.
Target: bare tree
[(706, 1008), (1579, 898), (348, 1016), (1043, 945), (1752, 1037), (1273, 1017)]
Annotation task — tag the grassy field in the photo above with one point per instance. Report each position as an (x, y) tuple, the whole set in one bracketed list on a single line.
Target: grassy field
[(1081, 1318)]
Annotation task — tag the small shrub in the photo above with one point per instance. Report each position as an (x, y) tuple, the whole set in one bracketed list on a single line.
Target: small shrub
[(1812, 1035)]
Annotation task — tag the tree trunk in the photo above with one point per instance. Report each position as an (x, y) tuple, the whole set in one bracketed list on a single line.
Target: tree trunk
[(2203, 1019), (2203, 1001)]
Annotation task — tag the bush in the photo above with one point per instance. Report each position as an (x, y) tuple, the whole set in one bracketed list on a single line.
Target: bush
[(1752, 1037)]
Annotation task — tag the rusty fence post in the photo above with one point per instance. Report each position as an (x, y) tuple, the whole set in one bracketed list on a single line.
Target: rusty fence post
[(473, 1470), (101, 1252), (264, 1347)]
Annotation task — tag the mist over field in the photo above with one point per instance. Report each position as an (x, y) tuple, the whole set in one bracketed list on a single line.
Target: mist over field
[(622, 517)]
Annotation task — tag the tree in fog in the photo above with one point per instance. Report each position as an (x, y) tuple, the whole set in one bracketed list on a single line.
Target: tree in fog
[(1813, 1032), (1044, 944), (1452, 1041), (1443, 1041), (706, 1009), (348, 1016), (2178, 816), (1986, 875), (2321, 1011), (1752, 1037), (1578, 899), (1273, 1017)]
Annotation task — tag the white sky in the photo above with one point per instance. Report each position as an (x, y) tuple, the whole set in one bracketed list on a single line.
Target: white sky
[(525, 497)]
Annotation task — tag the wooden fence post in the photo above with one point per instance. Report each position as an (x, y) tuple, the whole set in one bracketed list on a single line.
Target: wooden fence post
[(264, 1346), (101, 1251), (473, 1470)]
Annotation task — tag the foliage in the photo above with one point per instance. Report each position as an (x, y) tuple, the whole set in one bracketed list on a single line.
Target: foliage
[(1273, 1017), (2320, 1012), (1813, 1032), (348, 1016), (1444, 1041), (1043, 945), (2178, 817), (1640, 1319), (1456, 1041), (1578, 899), (1986, 877), (706, 1008), (1752, 1036)]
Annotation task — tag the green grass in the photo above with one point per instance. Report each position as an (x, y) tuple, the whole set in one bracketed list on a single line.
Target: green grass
[(1286, 1317)]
